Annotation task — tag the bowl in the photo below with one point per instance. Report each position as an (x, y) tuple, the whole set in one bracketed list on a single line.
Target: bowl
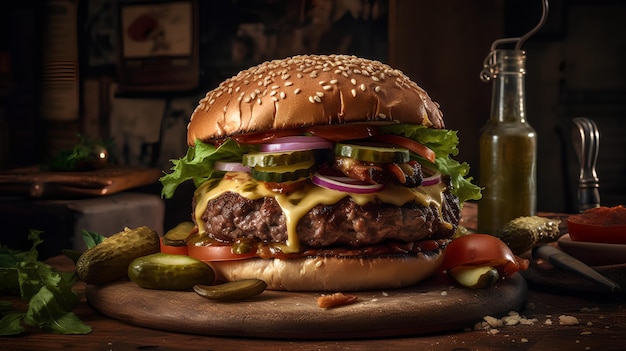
[(593, 254), (599, 225)]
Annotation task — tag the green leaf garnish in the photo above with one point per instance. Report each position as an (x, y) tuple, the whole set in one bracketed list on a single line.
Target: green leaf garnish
[(48, 292)]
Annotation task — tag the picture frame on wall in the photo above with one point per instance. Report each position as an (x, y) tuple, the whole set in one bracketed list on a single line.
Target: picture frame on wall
[(158, 46)]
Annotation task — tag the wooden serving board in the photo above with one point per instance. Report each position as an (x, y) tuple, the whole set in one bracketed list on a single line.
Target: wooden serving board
[(35, 183), (433, 306)]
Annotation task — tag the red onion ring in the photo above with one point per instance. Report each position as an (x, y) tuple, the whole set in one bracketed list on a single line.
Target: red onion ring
[(230, 166), (296, 143), (333, 184), (433, 179)]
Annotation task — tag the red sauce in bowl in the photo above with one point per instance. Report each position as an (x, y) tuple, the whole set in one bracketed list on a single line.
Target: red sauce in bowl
[(600, 225)]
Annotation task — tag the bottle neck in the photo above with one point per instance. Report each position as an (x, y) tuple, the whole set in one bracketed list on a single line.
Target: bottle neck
[(508, 100)]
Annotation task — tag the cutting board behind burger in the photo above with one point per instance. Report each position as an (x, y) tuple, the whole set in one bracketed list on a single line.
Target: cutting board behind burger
[(433, 306)]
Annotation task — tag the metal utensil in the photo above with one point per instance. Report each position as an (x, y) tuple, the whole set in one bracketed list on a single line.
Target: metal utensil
[(562, 260), (586, 141)]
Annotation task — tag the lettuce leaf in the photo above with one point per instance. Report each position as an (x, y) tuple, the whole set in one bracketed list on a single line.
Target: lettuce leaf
[(198, 163)]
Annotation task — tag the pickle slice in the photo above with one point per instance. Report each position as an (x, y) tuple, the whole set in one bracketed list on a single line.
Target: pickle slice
[(237, 290), (271, 159), (281, 174), (178, 235), (373, 153)]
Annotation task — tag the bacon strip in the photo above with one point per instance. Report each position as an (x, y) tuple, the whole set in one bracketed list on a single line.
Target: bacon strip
[(335, 300), (406, 174)]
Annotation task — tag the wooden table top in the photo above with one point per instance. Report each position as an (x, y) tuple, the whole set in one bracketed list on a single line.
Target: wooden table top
[(601, 326)]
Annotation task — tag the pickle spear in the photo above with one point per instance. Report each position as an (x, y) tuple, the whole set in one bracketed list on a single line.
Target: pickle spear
[(169, 272)]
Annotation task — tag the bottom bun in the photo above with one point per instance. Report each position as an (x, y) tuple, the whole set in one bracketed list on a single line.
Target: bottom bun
[(333, 273)]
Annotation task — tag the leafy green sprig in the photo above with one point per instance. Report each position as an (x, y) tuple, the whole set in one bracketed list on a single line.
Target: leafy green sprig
[(48, 292)]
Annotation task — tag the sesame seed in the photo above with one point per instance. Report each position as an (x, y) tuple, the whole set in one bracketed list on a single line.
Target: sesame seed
[(376, 79), (337, 71), (377, 89), (253, 95), (211, 102), (333, 81), (258, 101), (247, 99), (382, 115), (353, 81), (275, 87), (274, 98), (273, 93), (297, 91), (317, 98), (353, 91), (319, 93), (288, 84), (327, 87), (311, 99), (362, 87), (299, 75), (283, 95)]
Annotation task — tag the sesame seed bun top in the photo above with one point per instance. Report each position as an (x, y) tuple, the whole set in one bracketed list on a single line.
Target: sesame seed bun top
[(311, 90)]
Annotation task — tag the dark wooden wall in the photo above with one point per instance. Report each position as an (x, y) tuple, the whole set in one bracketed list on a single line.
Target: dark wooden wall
[(575, 68)]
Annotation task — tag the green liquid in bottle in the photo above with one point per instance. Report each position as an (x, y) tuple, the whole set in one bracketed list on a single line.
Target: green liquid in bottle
[(507, 173)]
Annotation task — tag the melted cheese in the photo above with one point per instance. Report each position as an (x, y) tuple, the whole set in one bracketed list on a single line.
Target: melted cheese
[(298, 203)]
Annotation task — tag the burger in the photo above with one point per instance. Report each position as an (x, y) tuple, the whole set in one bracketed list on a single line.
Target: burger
[(322, 173)]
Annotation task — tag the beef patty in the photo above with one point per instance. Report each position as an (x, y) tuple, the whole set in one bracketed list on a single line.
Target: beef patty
[(346, 223)]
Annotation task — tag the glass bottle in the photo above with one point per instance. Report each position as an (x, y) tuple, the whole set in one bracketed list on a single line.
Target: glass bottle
[(507, 146)]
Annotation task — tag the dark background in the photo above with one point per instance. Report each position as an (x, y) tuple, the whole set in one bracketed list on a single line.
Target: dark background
[(575, 68)]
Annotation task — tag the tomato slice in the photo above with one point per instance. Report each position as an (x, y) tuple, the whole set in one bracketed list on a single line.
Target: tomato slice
[(407, 143), (208, 253), (482, 250), (174, 250), (263, 137), (340, 132)]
